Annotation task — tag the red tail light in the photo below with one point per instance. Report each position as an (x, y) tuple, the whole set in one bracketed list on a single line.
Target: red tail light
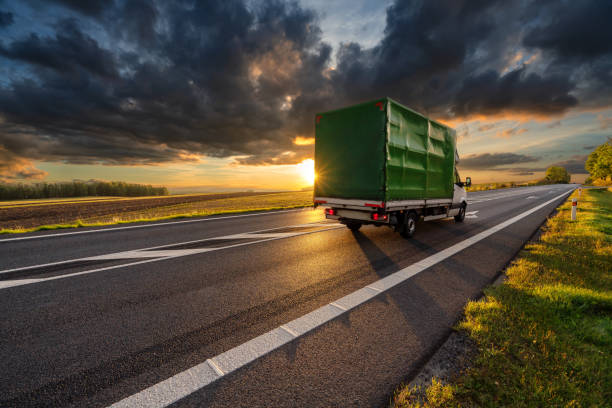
[(379, 217), (330, 211)]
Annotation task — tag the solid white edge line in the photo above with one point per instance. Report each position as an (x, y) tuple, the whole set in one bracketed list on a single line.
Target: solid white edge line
[(215, 367), (288, 330), (245, 353), (158, 224), (344, 309)]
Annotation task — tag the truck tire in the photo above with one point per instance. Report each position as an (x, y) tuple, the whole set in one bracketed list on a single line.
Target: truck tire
[(461, 215), (409, 225), (353, 226)]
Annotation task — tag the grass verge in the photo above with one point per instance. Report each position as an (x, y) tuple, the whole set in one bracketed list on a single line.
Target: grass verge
[(544, 336)]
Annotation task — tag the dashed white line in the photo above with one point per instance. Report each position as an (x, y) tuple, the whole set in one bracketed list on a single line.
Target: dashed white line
[(159, 395), (155, 254)]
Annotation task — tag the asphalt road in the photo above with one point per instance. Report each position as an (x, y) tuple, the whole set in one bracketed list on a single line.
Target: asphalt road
[(278, 309)]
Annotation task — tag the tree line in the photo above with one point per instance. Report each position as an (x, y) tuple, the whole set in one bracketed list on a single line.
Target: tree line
[(19, 191)]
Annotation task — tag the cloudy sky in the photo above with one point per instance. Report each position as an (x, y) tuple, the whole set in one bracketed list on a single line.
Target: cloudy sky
[(218, 95)]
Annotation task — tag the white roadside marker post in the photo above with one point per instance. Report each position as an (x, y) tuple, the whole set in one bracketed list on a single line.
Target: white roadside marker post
[(574, 204)]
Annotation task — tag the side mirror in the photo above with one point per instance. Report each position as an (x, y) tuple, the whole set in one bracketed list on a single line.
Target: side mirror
[(468, 181)]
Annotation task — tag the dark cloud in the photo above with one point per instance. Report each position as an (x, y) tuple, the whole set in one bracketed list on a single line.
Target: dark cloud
[(216, 83), (146, 82), (68, 52), (496, 161), (489, 93), (6, 19), (489, 161), (86, 7), (574, 165), (572, 29), (422, 56), (136, 22), (576, 37)]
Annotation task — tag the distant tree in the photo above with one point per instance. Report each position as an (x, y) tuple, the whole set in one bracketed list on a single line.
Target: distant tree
[(557, 174), (599, 162)]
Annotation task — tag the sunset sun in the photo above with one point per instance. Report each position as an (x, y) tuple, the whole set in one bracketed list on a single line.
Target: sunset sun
[(306, 170)]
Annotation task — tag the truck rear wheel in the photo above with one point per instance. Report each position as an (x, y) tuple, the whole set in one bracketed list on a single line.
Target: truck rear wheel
[(461, 215), (409, 225), (353, 226)]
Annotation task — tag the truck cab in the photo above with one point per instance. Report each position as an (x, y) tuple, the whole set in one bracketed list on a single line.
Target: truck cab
[(459, 203)]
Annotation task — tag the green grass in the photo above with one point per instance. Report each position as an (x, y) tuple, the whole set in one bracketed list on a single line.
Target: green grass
[(264, 202), (544, 337)]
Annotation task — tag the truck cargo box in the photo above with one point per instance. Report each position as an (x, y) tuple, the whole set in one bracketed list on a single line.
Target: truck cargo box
[(383, 151)]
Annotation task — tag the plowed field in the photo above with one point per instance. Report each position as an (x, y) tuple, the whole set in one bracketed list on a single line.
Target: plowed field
[(31, 215)]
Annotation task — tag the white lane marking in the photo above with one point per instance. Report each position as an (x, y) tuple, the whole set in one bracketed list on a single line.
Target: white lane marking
[(245, 353), (288, 330), (494, 195), (166, 254), (497, 196), (149, 254), (185, 383), (158, 224), (471, 214), (215, 367), (260, 234), (140, 253), (21, 282), (338, 306), (251, 350)]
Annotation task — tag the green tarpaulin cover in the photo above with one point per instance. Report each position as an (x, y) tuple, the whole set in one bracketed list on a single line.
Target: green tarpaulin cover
[(384, 151)]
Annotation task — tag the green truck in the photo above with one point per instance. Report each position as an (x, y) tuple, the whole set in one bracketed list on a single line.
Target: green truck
[(382, 163)]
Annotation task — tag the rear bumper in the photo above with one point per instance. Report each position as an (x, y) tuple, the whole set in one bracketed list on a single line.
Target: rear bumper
[(348, 203), (364, 217), (370, 205)]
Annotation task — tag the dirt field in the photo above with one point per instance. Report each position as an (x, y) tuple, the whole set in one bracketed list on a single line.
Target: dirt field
[(31, 214)]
